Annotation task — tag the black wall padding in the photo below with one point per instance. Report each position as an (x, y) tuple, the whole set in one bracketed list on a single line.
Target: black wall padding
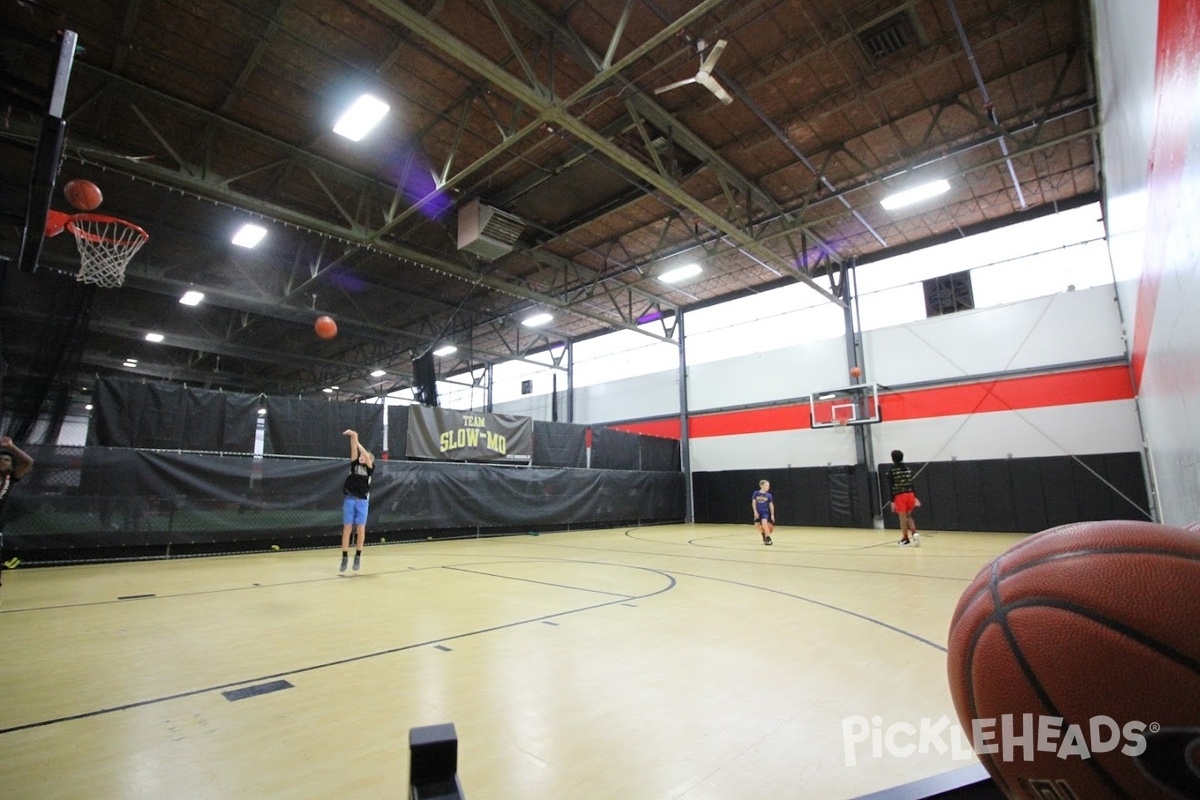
[(810, 496), (397, 432), (302, 426), (1025, 495), (168, 416), (659, 454), (84, 501), (559, 444), (614, 449)]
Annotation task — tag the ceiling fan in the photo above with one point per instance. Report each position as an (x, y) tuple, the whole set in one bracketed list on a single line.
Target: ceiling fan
[(704, 76)]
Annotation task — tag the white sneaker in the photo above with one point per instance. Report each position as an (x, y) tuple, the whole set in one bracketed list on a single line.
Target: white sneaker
[(916, 539)]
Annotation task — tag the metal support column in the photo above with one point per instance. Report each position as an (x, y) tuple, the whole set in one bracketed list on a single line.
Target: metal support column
[(685, 461)]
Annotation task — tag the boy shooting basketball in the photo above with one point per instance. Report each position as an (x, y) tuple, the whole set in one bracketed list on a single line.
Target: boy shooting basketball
[(357, 491), (762, 502), (15, 464)]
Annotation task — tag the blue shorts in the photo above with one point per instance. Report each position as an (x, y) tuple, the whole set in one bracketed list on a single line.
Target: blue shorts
[(354, 510)]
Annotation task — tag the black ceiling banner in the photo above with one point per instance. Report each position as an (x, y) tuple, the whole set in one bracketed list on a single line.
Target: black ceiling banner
[(445, 434)]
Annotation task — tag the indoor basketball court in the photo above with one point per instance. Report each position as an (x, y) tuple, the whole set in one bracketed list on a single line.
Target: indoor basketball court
[(664, 661), (203, 283)]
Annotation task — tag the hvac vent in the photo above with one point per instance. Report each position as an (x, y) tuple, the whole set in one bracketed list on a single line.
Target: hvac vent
[(486, 232), (888, 36)]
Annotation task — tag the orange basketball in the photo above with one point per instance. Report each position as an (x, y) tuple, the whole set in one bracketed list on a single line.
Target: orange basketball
[(83, 195), (1074, 663), (325, 327), (856, 372)]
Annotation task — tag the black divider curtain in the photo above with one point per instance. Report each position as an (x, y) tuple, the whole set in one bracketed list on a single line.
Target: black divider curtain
[(817, 496), (1025, 495), (168, 416), (559, 444), (79, 501), (397, 432), (659, 454), (614, 449), (302, 426)]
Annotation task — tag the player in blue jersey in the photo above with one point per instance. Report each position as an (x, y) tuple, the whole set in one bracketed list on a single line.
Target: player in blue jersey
[(762, 502)]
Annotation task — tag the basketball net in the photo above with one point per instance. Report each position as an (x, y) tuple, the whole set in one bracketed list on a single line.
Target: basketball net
[(106, 244)]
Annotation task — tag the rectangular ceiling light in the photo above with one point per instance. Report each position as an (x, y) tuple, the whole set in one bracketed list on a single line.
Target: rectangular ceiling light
[(915, 194), (154, 337), (680, 273), (192, 298), (537, 320), (361, 117), (249, 236), (379, 373), (445, 350)]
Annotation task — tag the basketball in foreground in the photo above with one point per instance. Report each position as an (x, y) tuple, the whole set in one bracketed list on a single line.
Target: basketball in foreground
[(83, 195), (325, 327), (1074, 663)]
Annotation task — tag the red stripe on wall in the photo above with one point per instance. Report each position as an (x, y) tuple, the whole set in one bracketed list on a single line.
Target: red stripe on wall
[(1176, 71), (1095, 385)]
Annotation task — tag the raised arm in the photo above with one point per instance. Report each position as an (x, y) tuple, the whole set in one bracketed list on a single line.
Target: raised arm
[(356, 449), (22, 462)]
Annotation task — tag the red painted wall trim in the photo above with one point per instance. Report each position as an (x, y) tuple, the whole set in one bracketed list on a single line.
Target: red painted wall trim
[(1177, 64), (1094, 385)]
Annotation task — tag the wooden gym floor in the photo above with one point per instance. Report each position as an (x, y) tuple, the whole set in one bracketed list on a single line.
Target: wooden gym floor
[(686, 662)]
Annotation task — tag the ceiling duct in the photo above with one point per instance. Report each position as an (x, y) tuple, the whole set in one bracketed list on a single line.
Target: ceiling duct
[(487, 232)]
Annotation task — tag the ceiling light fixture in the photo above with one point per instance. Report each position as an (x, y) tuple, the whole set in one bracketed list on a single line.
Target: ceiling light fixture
[(537, 320), (680, 273), (192, 298), (916, 194), (446, 350), (249, 235), (379, 373), (154, 337), (361, 117)]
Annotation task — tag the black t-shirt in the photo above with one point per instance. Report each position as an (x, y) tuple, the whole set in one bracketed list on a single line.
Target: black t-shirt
[(900, 479), (6, 482), (358, 482)]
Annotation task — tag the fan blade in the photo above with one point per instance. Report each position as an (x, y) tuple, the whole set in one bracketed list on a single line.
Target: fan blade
[(710, 60), (710, 83), (675, 85)]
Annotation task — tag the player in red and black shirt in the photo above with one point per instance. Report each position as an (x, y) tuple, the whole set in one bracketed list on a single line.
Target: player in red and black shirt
[(900, 482)]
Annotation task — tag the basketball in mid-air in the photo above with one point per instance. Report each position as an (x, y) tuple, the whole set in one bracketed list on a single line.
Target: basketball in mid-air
[(856, 372), (325, 327), (83, 194), (1074, 662)]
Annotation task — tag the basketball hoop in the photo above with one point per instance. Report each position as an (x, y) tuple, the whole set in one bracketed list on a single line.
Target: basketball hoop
[(106, 244)]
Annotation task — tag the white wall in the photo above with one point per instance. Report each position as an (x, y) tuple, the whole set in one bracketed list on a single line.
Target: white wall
[(1151, 155), (1065, 328), (654, 395), (1046, 333), (775, 449), (786, 373)]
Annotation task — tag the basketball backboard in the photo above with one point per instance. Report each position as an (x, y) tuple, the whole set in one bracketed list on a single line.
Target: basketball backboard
[(38, 155), (848, 405)]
